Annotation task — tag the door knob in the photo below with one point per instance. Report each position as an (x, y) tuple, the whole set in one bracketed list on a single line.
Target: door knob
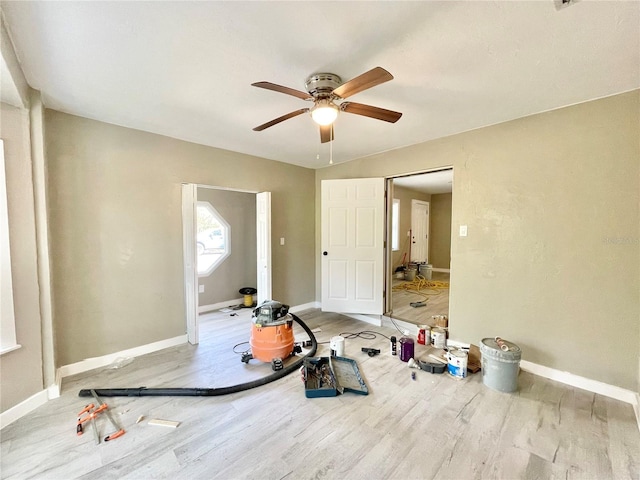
[(325, 253)]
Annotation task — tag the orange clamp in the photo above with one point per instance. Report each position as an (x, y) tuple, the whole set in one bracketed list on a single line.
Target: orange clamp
[(115, 435)]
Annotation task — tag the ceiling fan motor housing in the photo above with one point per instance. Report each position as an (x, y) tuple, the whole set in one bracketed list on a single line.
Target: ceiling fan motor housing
[(322, 84)]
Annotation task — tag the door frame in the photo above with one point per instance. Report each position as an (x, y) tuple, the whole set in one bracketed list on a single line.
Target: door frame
[(189, 227), (388, 298)]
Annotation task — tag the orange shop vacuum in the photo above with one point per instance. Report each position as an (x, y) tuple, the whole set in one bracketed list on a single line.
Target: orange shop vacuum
[(271, 335)]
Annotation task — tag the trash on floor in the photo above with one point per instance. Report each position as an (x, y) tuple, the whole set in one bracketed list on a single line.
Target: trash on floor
[(163, 423)]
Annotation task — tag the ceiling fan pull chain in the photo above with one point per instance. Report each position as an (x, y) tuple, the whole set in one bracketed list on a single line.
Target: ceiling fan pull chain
[(331, 148)]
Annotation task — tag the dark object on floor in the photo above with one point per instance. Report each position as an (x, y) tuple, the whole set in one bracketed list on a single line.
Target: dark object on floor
[(248, 293), (328, 376), (208, 392), (432, 367), (418, 304), (370, 351)]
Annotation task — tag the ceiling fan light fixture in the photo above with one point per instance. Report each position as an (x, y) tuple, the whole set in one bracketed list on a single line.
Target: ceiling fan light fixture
[(324, 112)]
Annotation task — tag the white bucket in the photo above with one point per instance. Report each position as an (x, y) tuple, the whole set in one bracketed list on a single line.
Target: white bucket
[(426, 270), (457, 363), (337, 346), (410, 274), (500, 367)]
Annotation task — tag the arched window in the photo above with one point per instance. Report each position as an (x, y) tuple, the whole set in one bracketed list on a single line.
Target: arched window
[(213, 240)]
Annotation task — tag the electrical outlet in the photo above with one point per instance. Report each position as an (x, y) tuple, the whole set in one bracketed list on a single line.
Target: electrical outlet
[(200, 288), (463, 230)]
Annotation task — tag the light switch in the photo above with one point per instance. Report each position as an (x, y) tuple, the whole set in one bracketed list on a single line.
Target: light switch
[(463, 230), (200, 288), (281, 240)]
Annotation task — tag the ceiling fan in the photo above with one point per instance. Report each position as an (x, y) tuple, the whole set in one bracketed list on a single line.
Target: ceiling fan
[(327, 91)]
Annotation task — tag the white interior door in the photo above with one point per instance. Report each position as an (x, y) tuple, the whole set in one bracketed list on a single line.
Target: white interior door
[(189, 201), (419, 231), (352, 235), (263, 229)]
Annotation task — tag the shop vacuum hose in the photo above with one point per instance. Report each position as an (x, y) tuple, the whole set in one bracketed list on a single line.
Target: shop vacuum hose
[(207, 392)]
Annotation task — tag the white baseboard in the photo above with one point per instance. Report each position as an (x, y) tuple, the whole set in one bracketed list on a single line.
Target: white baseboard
[(443, 270), (396, 323), (584, 383), (375, 320), (97, 362), (304, 306), (219, 305), (23, 408)]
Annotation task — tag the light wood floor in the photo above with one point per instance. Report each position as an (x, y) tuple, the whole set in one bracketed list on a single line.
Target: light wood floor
[(432, 427), (437, 300)]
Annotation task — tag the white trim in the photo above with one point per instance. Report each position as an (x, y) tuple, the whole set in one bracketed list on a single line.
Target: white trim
[(228, 303), (636, 409), (8, 338), (444, 270), (264, 261), (190, 262), (13, 347), (23, 408), (219, 305), (371, 319), (97, 362), (304, 306), (14, 85), (39, 169), (54, 389), (584, 383), (391, 322)]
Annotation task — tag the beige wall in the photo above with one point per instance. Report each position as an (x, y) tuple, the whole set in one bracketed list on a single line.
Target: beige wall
[(115, 216), (552, 258), (21, 370), (440, 231), (239, 269)]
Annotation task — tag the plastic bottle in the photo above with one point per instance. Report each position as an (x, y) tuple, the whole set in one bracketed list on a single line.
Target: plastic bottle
[(393, 346), (406, 346)]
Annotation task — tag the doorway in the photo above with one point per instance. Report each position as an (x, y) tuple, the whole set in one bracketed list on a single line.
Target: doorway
[(242, 253), (415, 299)]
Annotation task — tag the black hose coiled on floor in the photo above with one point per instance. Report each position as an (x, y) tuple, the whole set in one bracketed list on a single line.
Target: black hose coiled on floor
[(206, 392)]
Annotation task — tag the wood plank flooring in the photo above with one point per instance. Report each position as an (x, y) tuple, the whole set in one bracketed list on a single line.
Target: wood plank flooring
[(433, 427), (437, 300)]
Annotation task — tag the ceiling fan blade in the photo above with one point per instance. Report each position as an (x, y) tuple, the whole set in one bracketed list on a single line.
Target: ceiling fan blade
[(372, 112), (326, 133), (281, 89), (368, 79), (281, 119)]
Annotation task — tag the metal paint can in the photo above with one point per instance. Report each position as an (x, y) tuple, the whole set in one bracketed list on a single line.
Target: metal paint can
[(424, 334), (457, 363), (438, 338)]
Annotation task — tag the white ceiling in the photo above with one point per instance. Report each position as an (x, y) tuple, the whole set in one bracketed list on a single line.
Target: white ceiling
[(184, 69)]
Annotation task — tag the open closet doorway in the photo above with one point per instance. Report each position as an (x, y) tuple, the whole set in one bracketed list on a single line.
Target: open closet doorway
[(227, 248), (421, 245)]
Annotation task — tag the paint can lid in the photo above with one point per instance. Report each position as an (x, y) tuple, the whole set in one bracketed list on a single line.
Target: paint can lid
[(491, 347)]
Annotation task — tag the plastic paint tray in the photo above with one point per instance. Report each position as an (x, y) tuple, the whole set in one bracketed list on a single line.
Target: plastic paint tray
[(342, 376)]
